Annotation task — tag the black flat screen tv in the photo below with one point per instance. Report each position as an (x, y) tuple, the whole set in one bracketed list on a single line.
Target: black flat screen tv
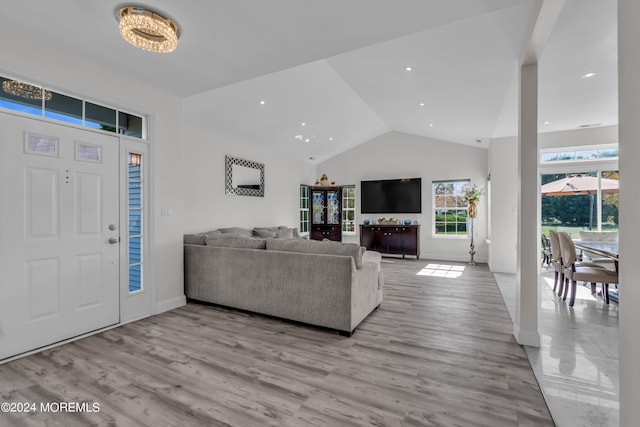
[(391, 196)]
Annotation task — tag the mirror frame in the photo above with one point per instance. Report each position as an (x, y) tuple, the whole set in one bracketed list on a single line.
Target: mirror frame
[(228, 177)]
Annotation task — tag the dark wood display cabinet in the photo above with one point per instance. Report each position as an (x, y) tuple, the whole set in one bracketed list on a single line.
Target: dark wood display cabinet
[(326, 213), (391, 239)]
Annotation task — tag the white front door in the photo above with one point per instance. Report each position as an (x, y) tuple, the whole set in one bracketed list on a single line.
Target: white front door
[(59, 233)]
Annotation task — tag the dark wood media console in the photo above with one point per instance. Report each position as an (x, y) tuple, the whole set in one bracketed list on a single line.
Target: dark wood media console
[(391, 239)]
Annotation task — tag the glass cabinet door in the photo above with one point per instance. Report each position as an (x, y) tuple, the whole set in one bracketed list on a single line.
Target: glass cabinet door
[(317, 204), (333, 207)]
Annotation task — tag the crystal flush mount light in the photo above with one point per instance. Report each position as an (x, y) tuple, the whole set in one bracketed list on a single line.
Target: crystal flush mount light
[(148, 30), (25, 90)]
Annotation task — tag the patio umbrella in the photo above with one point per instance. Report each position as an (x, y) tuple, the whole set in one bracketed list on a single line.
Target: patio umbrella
[(576, 185)]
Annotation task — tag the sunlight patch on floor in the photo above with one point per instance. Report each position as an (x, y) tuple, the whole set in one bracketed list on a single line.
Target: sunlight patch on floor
[(442, 270)]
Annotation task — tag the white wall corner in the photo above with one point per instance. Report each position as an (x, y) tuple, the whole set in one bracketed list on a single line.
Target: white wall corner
[(170, 304)]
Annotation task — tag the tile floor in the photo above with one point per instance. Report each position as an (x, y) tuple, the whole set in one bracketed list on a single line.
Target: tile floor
[(577, 362)]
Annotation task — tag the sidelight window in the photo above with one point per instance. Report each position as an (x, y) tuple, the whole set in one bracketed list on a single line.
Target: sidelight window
[(135, 224)]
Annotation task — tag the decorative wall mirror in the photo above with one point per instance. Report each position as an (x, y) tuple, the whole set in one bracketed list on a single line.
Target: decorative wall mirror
[(243, 177)]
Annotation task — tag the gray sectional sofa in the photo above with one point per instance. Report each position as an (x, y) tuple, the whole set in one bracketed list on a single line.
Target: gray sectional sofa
[(272, 271)]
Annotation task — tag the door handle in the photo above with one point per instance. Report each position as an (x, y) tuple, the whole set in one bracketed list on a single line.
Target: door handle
[(113, 240)]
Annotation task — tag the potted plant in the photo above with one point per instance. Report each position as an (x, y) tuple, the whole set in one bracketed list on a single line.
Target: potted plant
[(472, 197)]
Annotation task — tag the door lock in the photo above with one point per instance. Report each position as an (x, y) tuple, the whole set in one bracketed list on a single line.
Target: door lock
[(113, 240), (112, 227)]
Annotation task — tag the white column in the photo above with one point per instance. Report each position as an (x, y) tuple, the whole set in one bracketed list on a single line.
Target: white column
[(525, 327), (629, 140)]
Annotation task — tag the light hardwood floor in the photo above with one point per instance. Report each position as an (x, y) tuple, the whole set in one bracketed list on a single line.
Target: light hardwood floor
[(438, 352)]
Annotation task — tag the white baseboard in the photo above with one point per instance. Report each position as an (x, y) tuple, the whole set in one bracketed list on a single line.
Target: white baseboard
[(170, 304), (530, 338), (506, 269)]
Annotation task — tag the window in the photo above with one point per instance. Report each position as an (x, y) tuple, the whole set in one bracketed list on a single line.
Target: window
[(450, 208), (135, 214), (600, 152), (38, 101), (349, 209), (304, 208)]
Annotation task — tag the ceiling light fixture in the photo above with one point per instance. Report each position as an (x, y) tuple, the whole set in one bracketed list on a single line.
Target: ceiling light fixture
[(261, 102), (545, 123), (408, 69), (148, 30), (430, 125), (422, 104), (25, 90), (589, 75)]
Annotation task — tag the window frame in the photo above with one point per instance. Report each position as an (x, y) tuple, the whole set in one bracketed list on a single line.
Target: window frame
[(303, 218), (435, 209), (346, 210), (8, 102)]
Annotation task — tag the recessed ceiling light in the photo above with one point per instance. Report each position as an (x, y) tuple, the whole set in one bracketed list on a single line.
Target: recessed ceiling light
[(331, 139), (298, 137), (303, 124), (307, 140), (589, 75), (422, 104), (408, 69), (261, 102), (546, 123), (430, 125)]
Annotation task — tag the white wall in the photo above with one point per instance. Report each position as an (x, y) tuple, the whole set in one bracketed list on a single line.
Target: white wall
[(503, 166), (579, 137), (398, 155), (206, 204), (80, 78)]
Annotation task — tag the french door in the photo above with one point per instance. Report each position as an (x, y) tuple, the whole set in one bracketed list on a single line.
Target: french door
[(59, 233)]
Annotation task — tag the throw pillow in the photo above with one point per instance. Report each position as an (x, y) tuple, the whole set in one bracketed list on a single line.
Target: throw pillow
[(264, 232), (237, 230), (284, 233)]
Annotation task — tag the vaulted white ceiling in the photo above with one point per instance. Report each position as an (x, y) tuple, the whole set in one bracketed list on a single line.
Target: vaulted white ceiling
[(258, 70)]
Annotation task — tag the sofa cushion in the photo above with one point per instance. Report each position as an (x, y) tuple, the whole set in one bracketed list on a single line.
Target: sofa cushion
[(194, 239), (237, 230), (316, 247), (237, 242), (212, 233)]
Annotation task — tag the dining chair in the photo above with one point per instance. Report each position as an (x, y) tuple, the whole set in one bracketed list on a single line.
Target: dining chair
[(574, 271), (556, 260)]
